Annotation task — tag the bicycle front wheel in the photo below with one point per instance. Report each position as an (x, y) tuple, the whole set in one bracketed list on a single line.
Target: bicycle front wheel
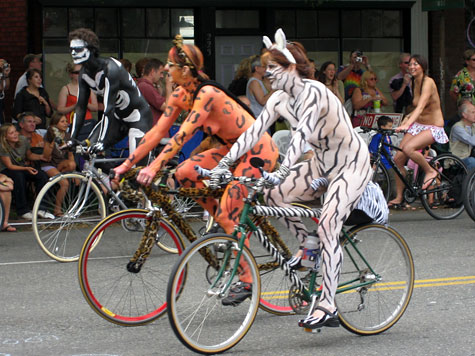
[(443, 200), (469, 194), (376, 281), (77, 206), (196, 311), (119, 291)]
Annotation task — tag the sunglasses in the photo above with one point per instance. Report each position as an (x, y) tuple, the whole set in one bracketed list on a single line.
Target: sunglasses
[(406, 62), (372, 78), (74, 72), (171, 64)]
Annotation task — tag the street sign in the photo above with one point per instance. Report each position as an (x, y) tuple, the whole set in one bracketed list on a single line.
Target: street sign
[(434, 5)]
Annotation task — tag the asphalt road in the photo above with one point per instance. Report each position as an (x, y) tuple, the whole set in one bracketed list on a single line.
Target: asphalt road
[(42, 310)]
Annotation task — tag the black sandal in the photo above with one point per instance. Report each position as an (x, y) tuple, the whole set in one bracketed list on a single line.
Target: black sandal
[(328, 319)]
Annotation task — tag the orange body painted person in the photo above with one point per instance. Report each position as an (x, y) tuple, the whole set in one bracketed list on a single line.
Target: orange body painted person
[(215, 112)]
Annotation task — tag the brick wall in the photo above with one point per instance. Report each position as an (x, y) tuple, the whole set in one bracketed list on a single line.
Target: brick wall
[(13, 41), (455, 23)]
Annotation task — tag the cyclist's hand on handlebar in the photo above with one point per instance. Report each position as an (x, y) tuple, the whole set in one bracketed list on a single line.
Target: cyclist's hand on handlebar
[(96, 147), (120, 170), (275, 178), (402, 128), (219, 175), (146, 176)]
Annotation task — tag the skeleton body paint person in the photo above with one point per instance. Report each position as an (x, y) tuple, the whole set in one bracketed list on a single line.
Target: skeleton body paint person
[(125, 110), (318, 118), (213, 111)]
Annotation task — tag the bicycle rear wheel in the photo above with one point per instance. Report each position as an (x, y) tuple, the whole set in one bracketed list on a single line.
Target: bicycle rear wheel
[(81, 206), (195, 310), (119, 292), (381, 258), (443, 200), (469, 194)]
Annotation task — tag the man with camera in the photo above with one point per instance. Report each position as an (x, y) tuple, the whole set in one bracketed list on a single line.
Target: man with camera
[(352, 72), (4, 85)]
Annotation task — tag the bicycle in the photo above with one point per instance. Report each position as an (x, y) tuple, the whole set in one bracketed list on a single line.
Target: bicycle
[(469, 194), (376, 282), (80, 208), (440, 200), (123, 277)]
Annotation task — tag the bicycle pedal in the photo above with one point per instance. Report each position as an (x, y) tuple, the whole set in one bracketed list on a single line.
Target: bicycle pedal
[(314, 331)]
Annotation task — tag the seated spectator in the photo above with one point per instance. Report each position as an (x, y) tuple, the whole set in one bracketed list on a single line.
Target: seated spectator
[(6, 187), (5, 70), (364, 97), (58, 160), (14, 154), (33, 98), (462, 135), (27, 124), (152, 74), (68, 97)]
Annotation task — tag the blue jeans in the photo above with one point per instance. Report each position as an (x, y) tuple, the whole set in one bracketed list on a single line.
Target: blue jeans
[(469, 162)]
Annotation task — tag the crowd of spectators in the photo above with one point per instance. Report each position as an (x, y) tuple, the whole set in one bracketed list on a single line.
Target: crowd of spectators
[(29, 149)]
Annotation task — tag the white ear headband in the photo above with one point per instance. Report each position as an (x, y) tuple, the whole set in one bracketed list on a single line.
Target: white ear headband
[(280, 45)]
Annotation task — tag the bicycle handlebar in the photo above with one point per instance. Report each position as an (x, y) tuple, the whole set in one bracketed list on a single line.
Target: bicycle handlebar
[(382, 131)]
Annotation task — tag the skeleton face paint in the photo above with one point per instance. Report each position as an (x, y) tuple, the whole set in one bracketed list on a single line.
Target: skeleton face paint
[(278, 75), (79, 51)]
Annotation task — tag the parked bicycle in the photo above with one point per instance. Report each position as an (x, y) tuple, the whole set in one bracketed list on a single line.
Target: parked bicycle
[(443, 199), (376, 282), (123, 275)]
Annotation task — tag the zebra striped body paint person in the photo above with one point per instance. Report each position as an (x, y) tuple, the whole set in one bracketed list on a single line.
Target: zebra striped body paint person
[(317, 117)]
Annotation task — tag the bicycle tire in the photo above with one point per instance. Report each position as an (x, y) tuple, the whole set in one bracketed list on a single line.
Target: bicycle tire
[(195, 311), (114, 291), (374, 308), (469, 194), (62, 237), (447, 201), (381, 177), (2, 213)]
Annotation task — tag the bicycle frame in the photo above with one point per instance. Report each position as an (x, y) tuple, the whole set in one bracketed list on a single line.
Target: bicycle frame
[(310, 293), (415, 190)]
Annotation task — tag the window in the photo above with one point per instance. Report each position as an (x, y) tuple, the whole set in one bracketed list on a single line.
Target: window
[(131, 33)]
